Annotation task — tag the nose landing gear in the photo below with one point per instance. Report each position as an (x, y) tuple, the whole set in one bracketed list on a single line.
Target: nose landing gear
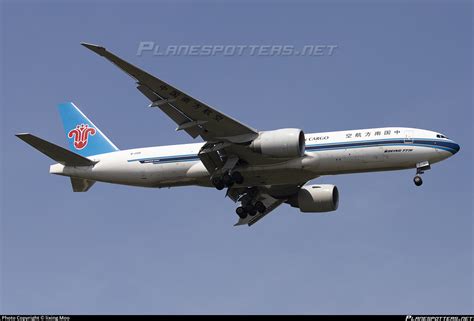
[(420, 169), (418, 181)]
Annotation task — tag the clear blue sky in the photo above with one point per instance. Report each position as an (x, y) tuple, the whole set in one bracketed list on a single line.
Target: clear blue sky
[(390, 248)]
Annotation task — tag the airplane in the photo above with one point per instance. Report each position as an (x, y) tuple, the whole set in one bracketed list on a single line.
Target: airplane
[(260, 170)]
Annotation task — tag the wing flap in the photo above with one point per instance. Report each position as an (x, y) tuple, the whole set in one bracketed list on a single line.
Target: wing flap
[(169, 110)]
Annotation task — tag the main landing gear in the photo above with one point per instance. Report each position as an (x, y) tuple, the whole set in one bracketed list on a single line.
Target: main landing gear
[(249, 205), (420, 169), (227, 180), (249, 209)]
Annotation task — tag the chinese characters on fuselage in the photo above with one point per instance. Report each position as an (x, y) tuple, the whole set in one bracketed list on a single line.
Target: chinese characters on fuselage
[(376, 133)]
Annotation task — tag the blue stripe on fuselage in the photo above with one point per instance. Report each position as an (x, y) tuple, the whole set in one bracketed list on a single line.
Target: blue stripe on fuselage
[(432, 143), (446, 145)]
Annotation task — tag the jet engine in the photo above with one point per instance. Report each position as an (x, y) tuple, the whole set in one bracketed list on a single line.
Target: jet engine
[(316, 198), (280, 143)]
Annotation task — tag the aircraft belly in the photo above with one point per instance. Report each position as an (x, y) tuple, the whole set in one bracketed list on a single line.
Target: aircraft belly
[(376, 158), (277, 177), (172, 174)]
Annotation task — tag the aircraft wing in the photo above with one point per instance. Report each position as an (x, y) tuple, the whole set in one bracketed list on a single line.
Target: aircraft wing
[(190, 114)]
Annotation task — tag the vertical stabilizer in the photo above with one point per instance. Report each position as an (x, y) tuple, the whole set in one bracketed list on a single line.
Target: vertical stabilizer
[(83, 136)]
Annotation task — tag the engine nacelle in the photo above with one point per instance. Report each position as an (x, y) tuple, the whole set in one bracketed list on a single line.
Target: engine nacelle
[(284, 143), (316, 198)]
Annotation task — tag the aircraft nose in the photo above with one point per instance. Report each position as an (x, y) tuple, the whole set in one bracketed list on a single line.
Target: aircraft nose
[(455, 147)]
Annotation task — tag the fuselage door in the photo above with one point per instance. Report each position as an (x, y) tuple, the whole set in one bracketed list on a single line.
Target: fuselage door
[(408, 137)]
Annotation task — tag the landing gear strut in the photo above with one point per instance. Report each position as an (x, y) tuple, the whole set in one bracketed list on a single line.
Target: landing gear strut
[(227, 180), (237, 177), (420, 169)]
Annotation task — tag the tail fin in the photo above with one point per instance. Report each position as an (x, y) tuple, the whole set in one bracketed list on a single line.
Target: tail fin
[(84, 137)]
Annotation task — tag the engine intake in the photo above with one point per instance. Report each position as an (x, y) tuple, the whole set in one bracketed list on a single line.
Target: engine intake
[(284, 143), (316, 198)]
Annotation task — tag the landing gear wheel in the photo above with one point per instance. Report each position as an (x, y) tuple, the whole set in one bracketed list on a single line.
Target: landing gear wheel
[(218, 183), (241, 212), (260, 207), (417, 180), (227, 180), (237, 177), (253, 212)]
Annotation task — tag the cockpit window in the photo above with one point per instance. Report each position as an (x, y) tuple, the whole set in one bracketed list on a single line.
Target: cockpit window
[(441, 136)]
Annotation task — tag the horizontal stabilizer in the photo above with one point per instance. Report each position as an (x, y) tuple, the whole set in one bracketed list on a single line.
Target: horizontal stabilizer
[(81, 184), (55, 152)]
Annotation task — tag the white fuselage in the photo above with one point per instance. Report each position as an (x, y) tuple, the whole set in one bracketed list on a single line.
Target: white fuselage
[(329, 153)]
